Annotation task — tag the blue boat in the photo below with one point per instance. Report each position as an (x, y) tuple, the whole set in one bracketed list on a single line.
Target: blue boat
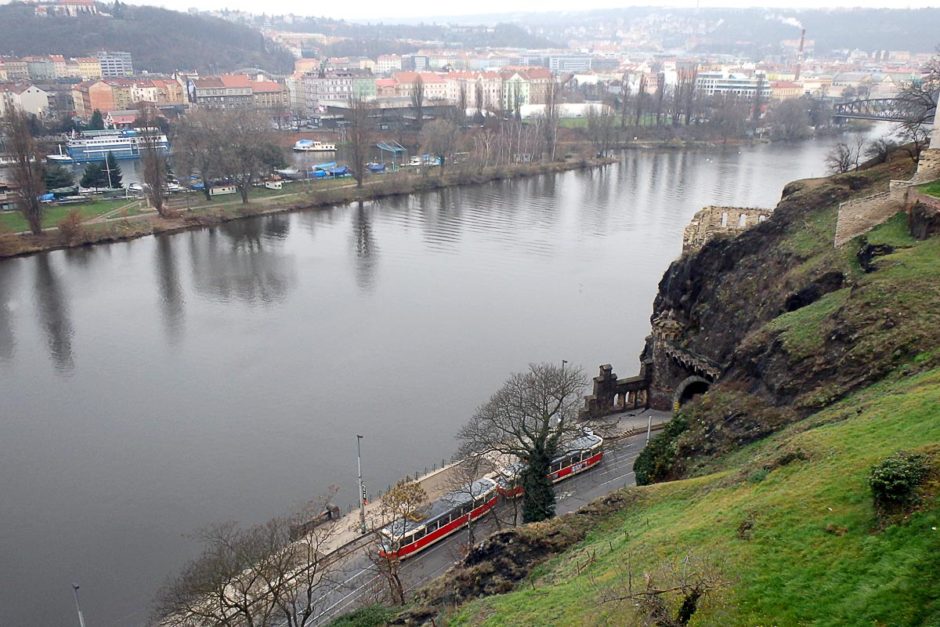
[(123, 144)]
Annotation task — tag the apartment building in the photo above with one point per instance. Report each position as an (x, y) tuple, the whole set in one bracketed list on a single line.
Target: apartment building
[(25, 97), (115, 63), (336, 85), (739, 84)]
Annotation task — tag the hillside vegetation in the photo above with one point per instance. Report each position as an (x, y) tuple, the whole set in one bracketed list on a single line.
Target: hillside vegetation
[(785, 530), (158, 40), (769, 516)]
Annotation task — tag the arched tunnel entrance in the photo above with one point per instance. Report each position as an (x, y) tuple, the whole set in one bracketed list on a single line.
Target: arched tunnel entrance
[(689, 389)]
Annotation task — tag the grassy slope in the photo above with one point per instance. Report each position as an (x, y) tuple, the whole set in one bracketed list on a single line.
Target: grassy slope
[(790, 569)]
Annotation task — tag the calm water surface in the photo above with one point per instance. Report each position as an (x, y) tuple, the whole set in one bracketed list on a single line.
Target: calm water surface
[(150, 388)]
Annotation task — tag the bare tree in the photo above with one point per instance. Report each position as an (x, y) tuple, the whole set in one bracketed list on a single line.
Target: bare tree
[(880, 149), (789, 119), (689, 79), (462, 104), (624, 100), (468, 468), (600, 128), (758, 99), (478, 98), (839, 160), (403, 503), (859, 150), (728, 115), (252, 576), (670, 596), (551, 119), (417, 100), (530, 417), (198, 146), (640, 98), (660, 96), (484, 148), (359, 136), (27, 167), (439, 138), (250, 151), (153, 160)]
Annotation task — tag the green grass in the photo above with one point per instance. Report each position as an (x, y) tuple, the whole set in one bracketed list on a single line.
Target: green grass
[(369, 616), (814, 553), (804, 330), (894, 232), (931, 189), (14, 221)]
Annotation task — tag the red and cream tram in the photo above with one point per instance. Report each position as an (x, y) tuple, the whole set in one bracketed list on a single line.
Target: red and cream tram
[(582, 453), (404, 538)]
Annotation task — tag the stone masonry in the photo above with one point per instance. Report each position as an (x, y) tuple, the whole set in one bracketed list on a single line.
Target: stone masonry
[(861, 215), (713, 220)]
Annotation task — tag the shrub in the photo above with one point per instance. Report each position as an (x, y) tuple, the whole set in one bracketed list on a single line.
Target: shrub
[(369, 616), (894, 481), (758, 475), (70, 227), (655, 462)]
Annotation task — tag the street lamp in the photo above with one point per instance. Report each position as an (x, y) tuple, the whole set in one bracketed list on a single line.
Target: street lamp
[(81, 619), (564, 362), (362, 488)]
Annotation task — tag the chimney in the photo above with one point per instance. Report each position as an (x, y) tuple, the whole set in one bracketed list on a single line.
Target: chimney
[(799, 56)]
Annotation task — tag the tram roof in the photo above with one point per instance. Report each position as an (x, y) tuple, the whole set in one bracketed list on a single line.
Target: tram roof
[(441, 506)]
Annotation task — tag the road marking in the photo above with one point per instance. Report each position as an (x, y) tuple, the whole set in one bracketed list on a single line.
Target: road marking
[(327, 610)]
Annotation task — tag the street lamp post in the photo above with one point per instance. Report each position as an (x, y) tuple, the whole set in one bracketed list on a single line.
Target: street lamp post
[(362, 488), (564, 362), (78, 606)]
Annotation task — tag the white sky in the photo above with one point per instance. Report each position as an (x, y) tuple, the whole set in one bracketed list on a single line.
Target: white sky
[(388, 10)]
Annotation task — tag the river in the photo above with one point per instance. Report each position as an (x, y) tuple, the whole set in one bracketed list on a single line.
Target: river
[(156, 386)]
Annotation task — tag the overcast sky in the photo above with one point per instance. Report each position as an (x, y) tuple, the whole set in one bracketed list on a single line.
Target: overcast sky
[(387, 11)]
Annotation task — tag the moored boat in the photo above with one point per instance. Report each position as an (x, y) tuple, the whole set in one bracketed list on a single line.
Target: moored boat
[(313, 145), (123, 144)]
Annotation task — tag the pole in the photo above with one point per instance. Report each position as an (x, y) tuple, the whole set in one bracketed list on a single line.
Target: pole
[(362, 490), (564, 362), (78, 606), (649, 428)]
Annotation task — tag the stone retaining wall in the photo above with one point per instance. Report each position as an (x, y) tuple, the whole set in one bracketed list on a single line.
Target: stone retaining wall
[(863, 214)]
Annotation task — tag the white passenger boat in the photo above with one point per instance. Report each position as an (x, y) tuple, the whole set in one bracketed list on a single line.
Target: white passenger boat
[(313, 145)]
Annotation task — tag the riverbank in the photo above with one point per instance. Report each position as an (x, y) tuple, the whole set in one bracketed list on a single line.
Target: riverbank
[(136, 223)]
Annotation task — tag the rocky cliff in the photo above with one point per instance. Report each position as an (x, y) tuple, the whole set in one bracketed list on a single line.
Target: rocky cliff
[(789, 323)]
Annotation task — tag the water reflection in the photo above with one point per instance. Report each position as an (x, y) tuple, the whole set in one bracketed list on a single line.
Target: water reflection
[(366, 249), (241, 260), (7, 338), (171, 293), (53, 314)]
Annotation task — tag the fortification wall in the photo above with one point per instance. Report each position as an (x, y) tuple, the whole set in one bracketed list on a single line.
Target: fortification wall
[(715, 220)]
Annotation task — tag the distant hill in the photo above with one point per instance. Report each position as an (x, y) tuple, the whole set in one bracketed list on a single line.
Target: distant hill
[(753, 30), (159, 40)]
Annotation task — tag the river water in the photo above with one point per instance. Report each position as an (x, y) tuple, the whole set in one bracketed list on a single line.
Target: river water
[(152, 387)]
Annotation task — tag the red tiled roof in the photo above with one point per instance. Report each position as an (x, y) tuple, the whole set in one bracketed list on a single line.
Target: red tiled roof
[(265, 87), (235, 80)]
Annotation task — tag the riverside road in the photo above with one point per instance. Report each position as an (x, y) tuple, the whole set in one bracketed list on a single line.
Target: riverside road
[(357, 583)]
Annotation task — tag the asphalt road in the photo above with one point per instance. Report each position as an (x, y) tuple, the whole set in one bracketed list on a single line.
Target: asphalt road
[(355, 581)]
